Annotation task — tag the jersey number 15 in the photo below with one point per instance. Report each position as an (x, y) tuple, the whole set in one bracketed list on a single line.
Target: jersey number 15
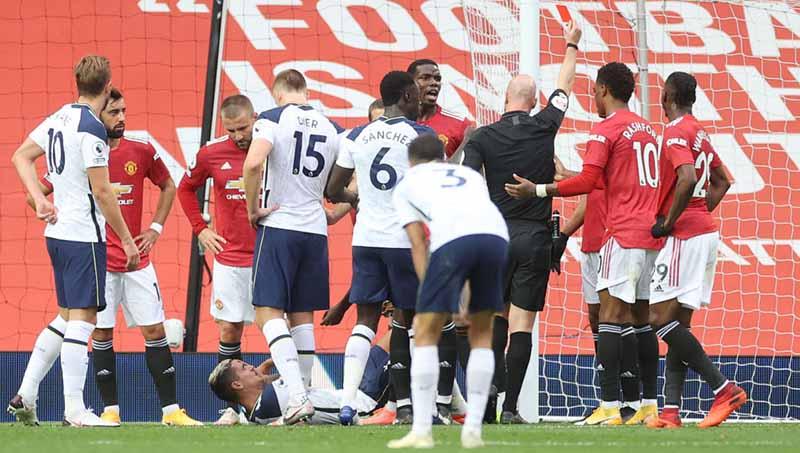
[(311, 152)]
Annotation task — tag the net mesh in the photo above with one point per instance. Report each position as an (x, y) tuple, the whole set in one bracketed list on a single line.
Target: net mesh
[(745, 57)]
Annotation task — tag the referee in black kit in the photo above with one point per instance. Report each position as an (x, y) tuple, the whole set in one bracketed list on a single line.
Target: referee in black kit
[(523, 145)]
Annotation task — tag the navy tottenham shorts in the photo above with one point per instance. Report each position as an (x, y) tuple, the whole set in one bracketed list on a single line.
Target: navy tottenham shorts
[(381, 274), (79, 269)]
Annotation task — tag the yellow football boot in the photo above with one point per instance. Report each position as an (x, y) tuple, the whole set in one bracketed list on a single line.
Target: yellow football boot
[(179, 418), (604, 416), (643, 415), (111, 417)]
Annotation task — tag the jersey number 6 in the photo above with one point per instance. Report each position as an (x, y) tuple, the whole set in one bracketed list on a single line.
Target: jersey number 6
[(378, 167)]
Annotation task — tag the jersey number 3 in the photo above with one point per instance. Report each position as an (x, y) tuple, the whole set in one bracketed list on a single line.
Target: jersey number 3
[(311, 152), (55, 151)]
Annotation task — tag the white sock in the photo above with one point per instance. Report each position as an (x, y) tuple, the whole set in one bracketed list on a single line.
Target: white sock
[(480, 369), (356, 354), (391, 406), (44, 355), (169, 409), (303, 336), (114, 408), (424, 378), (74, 363), (649, 403), (609, 404), (284, 353)]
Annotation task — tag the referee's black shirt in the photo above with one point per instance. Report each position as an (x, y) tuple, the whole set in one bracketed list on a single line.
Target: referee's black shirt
[(522, 144)]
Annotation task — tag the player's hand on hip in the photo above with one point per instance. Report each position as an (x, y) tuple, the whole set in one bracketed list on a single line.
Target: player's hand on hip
[(131, 254), (525, 189), (260, 213), (211, 241), (146, 240), (572, 33), (45, 210)]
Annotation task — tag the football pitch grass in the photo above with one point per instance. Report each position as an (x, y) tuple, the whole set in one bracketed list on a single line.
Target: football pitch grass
[(548, 437)]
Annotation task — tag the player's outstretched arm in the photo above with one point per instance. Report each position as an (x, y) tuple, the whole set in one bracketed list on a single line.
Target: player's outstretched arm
[(419, 248), (24, 160), (684, 185), (260, 149), (147, 239), (107, 200), (717, 188), (566, 75)]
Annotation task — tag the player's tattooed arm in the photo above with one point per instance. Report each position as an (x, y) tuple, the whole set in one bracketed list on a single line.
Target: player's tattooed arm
[(251, 172), (717, 188), (336, 190), (419, 248), (684, 185)]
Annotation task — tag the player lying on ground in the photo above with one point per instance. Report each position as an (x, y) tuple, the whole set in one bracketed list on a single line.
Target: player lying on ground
[(693, 182), (230, 239), (622, 151), (74, 141), (382, 265), (468, 242), (131, 162), (265, 397)]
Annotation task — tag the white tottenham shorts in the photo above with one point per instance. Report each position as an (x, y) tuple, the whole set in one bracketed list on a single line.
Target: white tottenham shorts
[(625, 273), (138, 294), (684, 270), (231, 294), (590, 266)]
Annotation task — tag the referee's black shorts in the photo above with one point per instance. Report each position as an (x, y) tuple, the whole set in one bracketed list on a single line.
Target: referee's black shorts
[(528, 271)]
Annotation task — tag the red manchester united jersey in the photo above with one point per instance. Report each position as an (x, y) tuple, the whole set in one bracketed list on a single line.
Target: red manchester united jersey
[(449, 127), (594, 221), (222, 161), (624, 145), (129, 164), (685, 142)]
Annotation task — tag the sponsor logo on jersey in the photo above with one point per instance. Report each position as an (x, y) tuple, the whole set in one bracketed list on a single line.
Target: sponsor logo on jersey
[(597, 138), (120, 190), (131, 168), (444, 139), (676, 141), (235, 184)]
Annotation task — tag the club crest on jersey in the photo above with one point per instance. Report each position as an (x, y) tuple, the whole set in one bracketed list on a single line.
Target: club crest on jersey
[(131, 168), (219, 305), (444, 139), (235, 184)]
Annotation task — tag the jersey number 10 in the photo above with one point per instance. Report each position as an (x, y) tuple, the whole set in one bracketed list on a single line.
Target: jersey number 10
[(55, 157), (648, 171)]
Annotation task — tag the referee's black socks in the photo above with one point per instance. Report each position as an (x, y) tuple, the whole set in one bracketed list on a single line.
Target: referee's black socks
[(519, 354), (162, 369)]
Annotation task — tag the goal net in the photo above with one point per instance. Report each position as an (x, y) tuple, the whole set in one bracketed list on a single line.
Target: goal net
[(745, 56)]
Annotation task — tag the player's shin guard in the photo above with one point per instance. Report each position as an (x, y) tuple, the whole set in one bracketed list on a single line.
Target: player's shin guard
[(303, 336), (609, 347), (400, 358), (479, 376), (674, 378), (104, 361), (44, 355), (629, 366), (284, 353), (356, 355), (159, 363), (447, 364), (648, 362), (519, 354), (499, 343), (74, 363), (424, 376), (690, 351)]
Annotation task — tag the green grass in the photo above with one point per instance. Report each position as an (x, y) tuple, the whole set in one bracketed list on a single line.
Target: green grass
[(549, 437)]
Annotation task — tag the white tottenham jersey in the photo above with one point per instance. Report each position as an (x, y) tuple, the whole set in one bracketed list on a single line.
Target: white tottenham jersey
[(452, 200), (378, 152), (304, 147), (73, 140)]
